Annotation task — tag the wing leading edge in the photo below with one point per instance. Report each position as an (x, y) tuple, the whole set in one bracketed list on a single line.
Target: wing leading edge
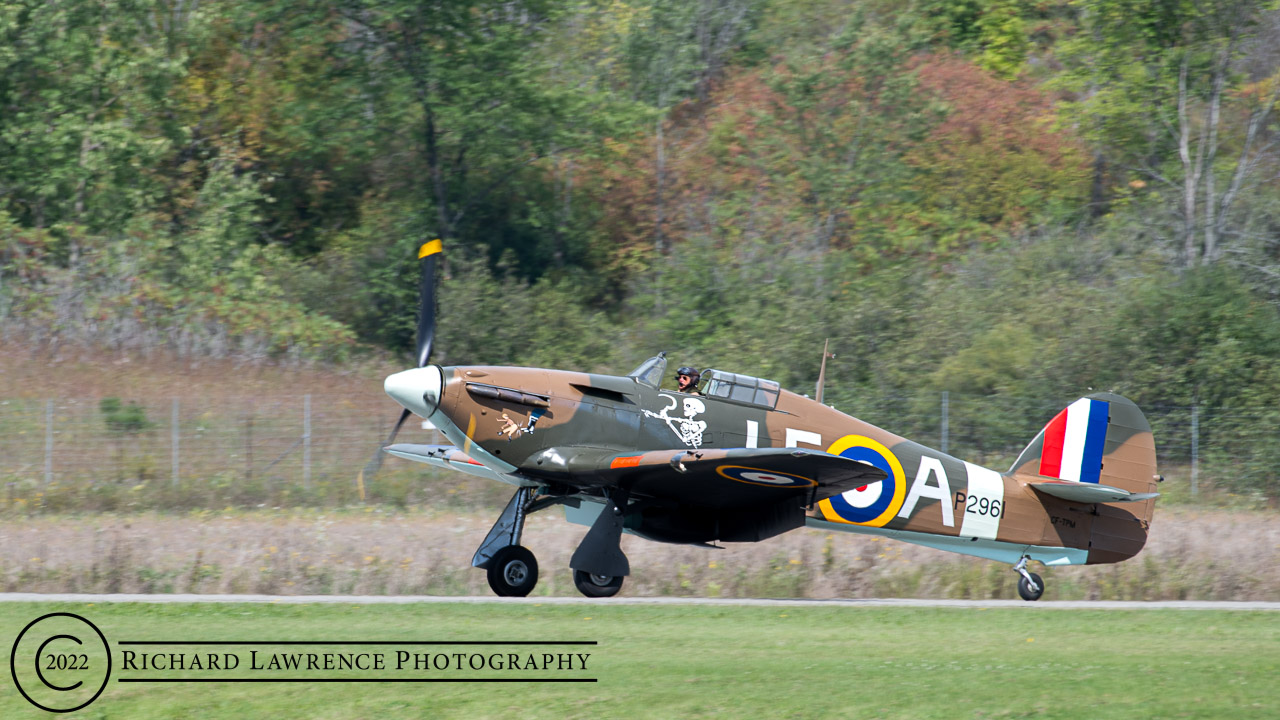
[(450, 458), (715, 478), (738, 477)]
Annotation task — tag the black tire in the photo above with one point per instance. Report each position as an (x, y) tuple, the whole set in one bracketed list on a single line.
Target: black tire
[(597, 586), (513, 571), (1025, 590)]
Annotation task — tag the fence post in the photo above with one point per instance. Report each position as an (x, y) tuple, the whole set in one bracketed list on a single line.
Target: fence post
[(174, 439), (306, 441), (946, 409), (1195, 449), (48, 442), (248, 445)]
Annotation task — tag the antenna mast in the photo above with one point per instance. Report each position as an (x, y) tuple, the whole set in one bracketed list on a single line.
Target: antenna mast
[(822, 371)]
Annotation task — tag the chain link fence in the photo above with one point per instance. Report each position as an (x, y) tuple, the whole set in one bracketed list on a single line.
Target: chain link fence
[(95, 453), (100, 453), (1235, 450)]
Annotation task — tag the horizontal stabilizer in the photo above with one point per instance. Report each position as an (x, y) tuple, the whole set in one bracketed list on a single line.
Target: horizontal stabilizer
[(1089, 492)]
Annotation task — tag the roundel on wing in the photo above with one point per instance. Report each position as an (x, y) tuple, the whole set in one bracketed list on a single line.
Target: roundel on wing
[(767, 478), (875, 503)]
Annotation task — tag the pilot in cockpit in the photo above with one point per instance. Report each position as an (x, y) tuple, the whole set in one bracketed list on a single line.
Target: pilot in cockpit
[(687, 380)]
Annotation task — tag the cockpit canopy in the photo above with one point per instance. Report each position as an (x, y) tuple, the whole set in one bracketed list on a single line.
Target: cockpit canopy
[(714, 383), (651, 371), (741, 388)]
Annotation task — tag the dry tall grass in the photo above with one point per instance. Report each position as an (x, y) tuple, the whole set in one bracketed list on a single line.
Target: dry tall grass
[(1220, 555)]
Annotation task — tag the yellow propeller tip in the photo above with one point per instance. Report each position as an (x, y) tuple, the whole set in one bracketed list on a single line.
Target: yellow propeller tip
[(430, 248)]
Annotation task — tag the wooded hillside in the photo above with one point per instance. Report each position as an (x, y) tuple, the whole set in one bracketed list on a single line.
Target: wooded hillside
[(992, 198)]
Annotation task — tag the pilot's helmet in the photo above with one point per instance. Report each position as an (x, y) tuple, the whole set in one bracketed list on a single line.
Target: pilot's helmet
[(686, 370)]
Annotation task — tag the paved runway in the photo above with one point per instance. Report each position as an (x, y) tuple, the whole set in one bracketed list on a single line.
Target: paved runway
[(869, 603)]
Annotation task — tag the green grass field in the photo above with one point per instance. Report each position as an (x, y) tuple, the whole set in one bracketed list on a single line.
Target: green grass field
[(694, 662)]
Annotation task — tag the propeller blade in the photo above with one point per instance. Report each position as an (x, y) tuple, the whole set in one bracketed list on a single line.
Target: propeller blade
[(375, 463), (428, 257)]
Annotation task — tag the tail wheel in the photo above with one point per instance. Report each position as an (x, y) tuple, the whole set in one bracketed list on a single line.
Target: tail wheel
[(597, 586), (513, 571), (1024, 588)]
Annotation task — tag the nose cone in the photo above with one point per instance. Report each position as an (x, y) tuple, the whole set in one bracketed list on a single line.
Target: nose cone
[(418, 389)]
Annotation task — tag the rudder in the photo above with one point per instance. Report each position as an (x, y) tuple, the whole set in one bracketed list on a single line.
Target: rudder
[(1099, 441), (1102, 438)]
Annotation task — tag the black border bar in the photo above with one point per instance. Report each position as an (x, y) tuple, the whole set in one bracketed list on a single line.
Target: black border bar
[(357, 642), (358, 680)]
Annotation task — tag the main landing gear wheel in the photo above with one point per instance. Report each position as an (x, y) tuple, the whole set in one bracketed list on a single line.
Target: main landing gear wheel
[(597, 586), (1030, 586), (513, 571), (1024, 587)]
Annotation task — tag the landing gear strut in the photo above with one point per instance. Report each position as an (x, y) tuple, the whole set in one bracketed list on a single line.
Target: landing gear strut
[(599, 564), (512, 570), (1030, 585)]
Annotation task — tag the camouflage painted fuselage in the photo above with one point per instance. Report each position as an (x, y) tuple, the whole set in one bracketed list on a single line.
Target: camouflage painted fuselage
[(581, 432)]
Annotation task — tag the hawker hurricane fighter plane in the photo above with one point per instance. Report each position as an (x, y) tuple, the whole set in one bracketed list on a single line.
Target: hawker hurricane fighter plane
[(743, 460)]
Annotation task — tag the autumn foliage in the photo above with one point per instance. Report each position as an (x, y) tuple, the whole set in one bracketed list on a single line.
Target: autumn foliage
[(804, 155), (998, 159)]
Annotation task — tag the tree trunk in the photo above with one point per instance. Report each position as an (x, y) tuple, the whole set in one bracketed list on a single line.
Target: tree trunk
[(1220, 68), (437, 175), (1190, 181), (1098, 188), (1245, 163), (659, 241)]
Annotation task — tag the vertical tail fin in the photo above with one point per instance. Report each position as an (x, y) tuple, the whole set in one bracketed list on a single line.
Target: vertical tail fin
[(1102, 439), (1071, 445), (1098, 444)]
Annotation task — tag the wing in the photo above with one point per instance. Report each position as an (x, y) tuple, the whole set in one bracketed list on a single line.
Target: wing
[(739, 477), (711, 478), (449, 458)]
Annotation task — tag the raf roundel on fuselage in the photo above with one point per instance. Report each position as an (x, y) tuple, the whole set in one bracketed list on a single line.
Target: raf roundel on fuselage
[(874, 504)]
